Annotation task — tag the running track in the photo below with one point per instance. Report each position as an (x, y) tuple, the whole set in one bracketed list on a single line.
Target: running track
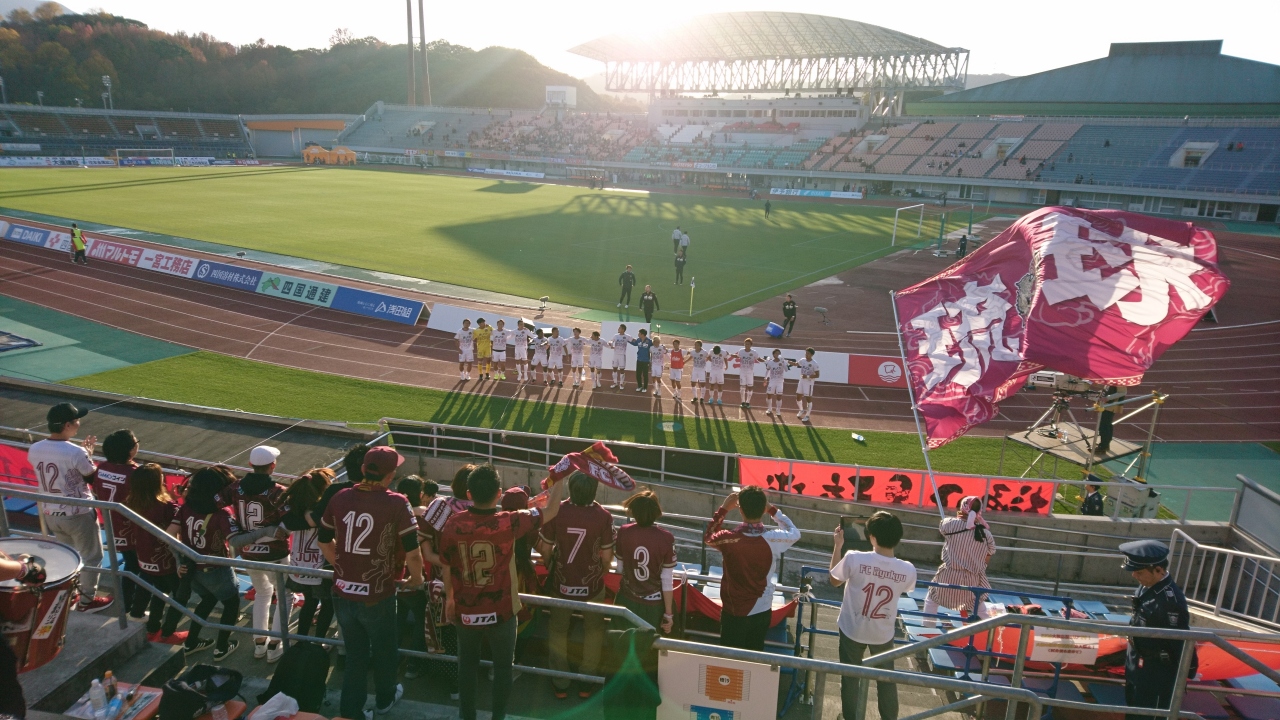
[(1224, 380)]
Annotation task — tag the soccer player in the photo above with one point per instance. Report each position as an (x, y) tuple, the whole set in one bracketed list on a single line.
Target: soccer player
[(873, 582), (483, 335), (677, 367), (500, 350), (466, 350), (541, 356), (747, 359), (698, 375), (647, 560), (369, 535), (716, 365), (576, 344), (555, 356), (520, 339), (477, 549), (809, 373), (658, 355), (775, 370), (596, 344), (619, 344), (581, 538), (748, 554)]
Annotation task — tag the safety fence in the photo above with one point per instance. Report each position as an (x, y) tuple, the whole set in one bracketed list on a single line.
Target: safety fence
[(1228, 582), (969, 691)]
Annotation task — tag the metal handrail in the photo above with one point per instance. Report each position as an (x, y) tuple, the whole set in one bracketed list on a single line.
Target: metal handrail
[(149, 453), (1230, 559)]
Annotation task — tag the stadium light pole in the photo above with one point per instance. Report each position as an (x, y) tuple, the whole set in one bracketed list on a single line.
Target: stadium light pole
[(104, 100), (426, 70), (4, 94), (40, 97), (106, 80), (408, 8)]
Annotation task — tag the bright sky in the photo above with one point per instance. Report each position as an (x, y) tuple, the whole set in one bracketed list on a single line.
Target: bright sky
[(1003, 36)]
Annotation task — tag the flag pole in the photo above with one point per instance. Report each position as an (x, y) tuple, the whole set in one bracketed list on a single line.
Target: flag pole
[(692, 284), (911, 395)]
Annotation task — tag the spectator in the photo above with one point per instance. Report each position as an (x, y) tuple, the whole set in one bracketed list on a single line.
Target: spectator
[(579, 542), (627, 280), (411, 603), (206, 526), (304, 549), (749, 555), (647, 561), (111, 484), (873, 582), (789, 315), (513, 499), (147, 497), (481, 601), (1092, 504), (680, 261), (66, 468), (649, 303), (257, 505), (368, 534), (967, 547)]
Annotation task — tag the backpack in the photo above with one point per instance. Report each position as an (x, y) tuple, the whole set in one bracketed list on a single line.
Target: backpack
[(197, 690), (300, 675)]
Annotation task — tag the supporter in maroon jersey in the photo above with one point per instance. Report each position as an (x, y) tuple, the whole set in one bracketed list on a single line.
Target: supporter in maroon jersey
[(206, 526), (148, 497), (480, 589), (442, 508), (411, 602), (304, 549), (580, 541), (369, 535), (256, 503), (647, 556), (112, 485), (517, 498), (749, 554)]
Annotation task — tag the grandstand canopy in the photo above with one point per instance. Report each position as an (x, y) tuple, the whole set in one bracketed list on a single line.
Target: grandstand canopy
[(1157, 78), (775, 52)]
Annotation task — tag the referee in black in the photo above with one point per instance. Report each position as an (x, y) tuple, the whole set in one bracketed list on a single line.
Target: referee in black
[(789, 315), (627, 280), (649, 303)]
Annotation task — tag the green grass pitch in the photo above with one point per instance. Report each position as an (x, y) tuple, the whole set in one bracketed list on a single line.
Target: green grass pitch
[(521, 238)]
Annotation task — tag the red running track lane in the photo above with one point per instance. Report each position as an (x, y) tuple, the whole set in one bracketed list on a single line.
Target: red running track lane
[(1225, 382)]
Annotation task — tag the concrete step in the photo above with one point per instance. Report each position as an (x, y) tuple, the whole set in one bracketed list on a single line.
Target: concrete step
[(94, 644), (153, 666)]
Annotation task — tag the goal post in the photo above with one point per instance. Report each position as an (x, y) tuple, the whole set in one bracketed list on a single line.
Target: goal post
[(133, 157), (919, 223)]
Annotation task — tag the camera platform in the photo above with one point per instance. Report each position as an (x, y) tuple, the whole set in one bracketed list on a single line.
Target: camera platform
[(1073, 445)]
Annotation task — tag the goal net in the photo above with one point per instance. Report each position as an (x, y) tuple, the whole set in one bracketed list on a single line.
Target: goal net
[(919, 225), (134, 157)]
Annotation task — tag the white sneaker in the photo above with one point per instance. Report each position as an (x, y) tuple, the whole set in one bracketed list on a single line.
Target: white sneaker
[(769, 413), (368, 714), (805, 418), (260, 650), (274, 651), (619, 304), (799, 413)]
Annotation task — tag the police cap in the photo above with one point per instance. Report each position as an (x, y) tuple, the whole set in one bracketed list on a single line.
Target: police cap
[(1141, 554)]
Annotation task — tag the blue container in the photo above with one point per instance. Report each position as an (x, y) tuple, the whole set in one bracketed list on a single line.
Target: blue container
[(773, 330)]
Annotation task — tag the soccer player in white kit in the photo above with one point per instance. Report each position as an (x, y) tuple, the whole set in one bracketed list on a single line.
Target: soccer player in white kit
[(556, 347), (775, 370), (657, 360), (809, 373), (520, 338), (500, 350), (540, 347), (577, 344), (619, 344), (596, 347), (466, 350), (747, 359), (698, 373), (716, 365)]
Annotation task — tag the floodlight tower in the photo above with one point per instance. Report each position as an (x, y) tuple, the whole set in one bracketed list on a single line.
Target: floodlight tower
[(408, 9)]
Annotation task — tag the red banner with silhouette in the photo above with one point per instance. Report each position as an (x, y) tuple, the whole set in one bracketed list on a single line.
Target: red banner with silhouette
[(888, 486)]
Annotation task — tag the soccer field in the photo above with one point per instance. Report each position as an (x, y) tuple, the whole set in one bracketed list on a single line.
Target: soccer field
[(526, 239)]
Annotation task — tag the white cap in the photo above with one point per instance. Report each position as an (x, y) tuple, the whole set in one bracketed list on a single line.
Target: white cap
[(263, 455)]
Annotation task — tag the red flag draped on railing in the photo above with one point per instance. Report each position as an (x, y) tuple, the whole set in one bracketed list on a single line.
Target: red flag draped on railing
[(1100, 294)]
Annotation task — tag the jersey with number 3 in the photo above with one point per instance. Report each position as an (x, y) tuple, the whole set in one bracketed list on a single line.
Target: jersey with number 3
[(872, 585), (368, 522), (643, 553), (579, 533), (477, 547)]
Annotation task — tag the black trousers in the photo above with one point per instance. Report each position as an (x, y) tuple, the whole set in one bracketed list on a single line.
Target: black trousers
[(317, 607), (1149, 688), (625, 297), (502, 648), (78, 257), (411, 615), (789, 323), (679, 274), (746, 633), (1105, 431), (166, 584), (648, 314), (642, 374)]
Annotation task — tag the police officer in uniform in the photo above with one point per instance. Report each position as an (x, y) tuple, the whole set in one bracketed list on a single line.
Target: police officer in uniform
[(1092, 504), (1151, 664)]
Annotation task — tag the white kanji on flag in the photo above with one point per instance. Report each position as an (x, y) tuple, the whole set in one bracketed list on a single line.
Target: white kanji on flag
[(962, 338)]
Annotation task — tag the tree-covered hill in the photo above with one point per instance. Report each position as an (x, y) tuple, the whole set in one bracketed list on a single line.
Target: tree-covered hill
[(66, 55)]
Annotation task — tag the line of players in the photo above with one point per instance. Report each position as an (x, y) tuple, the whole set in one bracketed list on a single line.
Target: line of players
[(486, 346)]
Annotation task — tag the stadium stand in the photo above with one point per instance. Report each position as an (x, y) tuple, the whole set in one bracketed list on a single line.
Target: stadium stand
[(79, 131)]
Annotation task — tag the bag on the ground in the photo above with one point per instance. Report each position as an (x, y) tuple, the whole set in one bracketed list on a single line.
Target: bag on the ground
[(197, 690), (300, 675)]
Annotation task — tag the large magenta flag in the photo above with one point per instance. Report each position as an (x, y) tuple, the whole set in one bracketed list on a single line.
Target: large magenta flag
[(1096, 293)]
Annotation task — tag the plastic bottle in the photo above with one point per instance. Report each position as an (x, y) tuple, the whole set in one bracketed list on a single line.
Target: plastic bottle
[(220, 712), (109, 684), (97, 695), (114, 707), (858, 438)]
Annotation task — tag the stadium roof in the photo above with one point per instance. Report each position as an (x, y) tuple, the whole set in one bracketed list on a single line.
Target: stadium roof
[(1191, 73), (734, 36)]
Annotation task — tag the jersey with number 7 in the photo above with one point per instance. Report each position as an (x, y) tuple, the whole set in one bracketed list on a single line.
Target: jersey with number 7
[(579, 533)]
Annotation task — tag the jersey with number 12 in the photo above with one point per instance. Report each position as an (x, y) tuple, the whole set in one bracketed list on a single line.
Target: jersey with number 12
[(872, 585)]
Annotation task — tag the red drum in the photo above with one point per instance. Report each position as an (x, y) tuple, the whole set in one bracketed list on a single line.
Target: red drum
[(33, 618)]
